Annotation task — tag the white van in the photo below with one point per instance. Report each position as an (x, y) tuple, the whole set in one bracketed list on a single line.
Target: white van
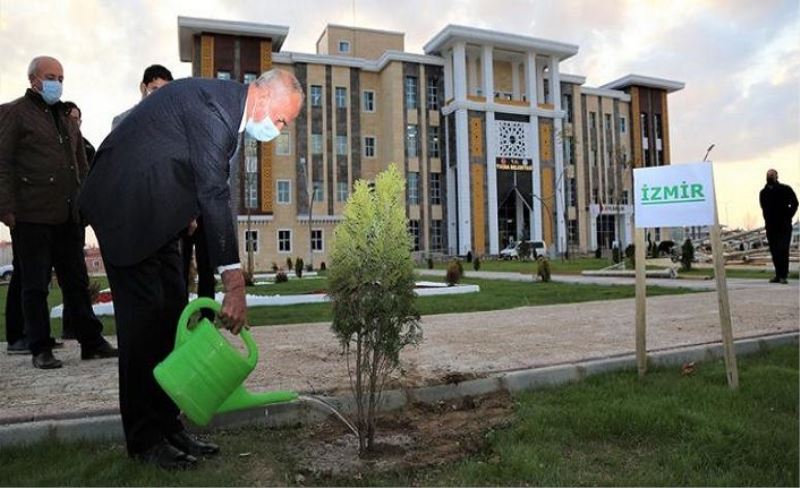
[(537, 248)]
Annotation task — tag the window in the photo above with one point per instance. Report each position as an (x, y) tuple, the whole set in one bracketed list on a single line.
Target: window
[(433, 141), (413, 188), (284, 240), (251, 241), (436, 235), (657, 125), (436, 188), (250, 172), (566, 105), (369, 146), (318, 193), (573, 192), (413, 229), (622, 124), (341, 145), (316, 96), (341, 191), (341, 97), (284, 191), (344, 46), (369, 101), (316, 240), (411, 92), (609, 137), (316, 143), (593, 130), (624, 197), (412, 141), (572, 232), (283, 145), (223, 75), (433, 94), (645, 127), (250, 77)]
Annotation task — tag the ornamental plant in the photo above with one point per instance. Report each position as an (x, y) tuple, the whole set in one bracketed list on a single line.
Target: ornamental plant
[(371, 286)]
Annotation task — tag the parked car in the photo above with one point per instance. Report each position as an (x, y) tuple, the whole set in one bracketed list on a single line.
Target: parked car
[(6, 271), (535, 249)]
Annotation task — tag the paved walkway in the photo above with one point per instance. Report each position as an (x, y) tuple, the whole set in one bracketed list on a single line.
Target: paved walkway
[(306, 357)]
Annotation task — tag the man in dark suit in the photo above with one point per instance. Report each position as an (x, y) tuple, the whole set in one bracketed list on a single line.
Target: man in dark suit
[(778, 205), (165, 165)]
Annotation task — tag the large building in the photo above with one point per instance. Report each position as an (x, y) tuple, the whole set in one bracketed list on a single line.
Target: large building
[(495, 142)]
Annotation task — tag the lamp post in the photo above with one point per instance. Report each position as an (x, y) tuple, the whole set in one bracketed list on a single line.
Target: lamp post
[(705, 158), (310, 196)]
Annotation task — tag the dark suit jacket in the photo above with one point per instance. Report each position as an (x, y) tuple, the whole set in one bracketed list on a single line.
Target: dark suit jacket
[(163, 165)]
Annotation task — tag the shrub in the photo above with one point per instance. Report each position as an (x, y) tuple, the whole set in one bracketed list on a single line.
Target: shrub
[(298, 267), (280, 277), (616, 256), (460, 268), (322, 266), (430, 262), (309, 267), (524, 250), (630, 254), (476, 264), (469, 256), (598, 253), (248, 278), (543, 268), (274, 267), (371, 287), (289, 264), (453, 276), (687, 255)]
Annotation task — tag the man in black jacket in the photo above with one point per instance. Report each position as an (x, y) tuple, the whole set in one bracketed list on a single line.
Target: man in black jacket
[(165, 165), (778, 205)]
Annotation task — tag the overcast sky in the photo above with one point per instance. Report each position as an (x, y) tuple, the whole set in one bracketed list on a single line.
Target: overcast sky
[(740, 60)]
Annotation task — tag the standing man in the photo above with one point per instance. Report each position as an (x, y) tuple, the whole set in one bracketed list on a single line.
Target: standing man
[(778, 205), (154, 77), (164, 166), (42, 165)]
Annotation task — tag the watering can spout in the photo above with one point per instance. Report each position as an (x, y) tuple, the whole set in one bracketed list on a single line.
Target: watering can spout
[(242, 399)]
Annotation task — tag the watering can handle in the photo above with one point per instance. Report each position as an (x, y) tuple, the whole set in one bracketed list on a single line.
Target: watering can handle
[(204, 302)]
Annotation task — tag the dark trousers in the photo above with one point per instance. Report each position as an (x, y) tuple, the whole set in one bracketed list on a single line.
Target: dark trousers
[(15, 322), (779, 242), (148, 299), (206, 284), (40, 248)]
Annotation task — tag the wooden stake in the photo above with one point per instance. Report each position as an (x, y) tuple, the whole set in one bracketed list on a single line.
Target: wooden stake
[(731, 369), (641, 300)]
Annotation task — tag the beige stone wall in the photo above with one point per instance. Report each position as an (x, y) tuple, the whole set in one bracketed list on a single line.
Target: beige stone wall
[(502, 77), (364, 43)]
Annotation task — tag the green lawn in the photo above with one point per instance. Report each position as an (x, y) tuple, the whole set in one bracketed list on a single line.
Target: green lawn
[(494, 295), (610, 430), (557, 266), (734, 273)]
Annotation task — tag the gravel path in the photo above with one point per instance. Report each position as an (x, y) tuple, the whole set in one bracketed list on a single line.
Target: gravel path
[(306, 357)]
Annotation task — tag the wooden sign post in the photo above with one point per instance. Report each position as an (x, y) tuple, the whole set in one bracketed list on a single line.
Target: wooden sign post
[(672, 196)]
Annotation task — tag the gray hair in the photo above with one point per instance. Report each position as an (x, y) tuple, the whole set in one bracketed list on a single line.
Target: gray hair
[(277, 77), (33, 67)]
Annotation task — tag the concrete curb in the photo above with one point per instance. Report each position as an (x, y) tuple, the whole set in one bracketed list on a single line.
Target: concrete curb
[(109, 427)]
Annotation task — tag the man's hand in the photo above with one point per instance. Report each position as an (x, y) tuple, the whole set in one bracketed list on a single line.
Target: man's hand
[(192, 227), (9, 219), (234, 305)]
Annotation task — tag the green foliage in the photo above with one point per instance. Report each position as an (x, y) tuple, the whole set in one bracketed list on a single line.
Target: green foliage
[(322, 266), (453, 276), (543, 268), (476, 264), (430, 262), (289, 264), (371, 285), (630, 254), (274, 267), (469, 256), (687, 255), (298, 267), (598, 253), (460, 268), (524, 250), (616, 255)]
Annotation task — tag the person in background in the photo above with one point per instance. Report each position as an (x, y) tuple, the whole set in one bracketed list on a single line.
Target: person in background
[(154, 77), (778, 205), (74, 112), (42, 165)]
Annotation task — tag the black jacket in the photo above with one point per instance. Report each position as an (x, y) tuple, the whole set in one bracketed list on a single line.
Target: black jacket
[(163, 165), (778, 205)]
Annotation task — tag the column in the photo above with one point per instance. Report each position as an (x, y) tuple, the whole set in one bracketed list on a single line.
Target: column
[(472, 74), (533, 136), (531, 79), (460, 72), (449, 172), (463, 176), (487, 62), (448, 75), (555, 93)]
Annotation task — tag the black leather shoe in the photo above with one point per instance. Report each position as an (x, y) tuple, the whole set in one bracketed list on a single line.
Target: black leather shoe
[(784, 281), (45, 360), (166, 456), (188, 443), (105, 350), (20, 346), (775, 280)]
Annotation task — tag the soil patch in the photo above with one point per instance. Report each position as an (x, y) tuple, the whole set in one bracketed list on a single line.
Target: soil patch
[(419, 436)]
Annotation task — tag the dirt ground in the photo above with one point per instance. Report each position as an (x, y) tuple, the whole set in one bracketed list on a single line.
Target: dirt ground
[(416, 437)]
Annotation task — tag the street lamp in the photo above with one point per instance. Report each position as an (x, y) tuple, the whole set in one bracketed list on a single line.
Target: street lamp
[(310, 196), (705, 158)]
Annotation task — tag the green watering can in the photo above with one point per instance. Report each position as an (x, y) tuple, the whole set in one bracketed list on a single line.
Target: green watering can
[(204, 373)]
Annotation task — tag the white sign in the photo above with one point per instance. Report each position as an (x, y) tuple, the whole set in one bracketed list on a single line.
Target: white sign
[(674, 196)]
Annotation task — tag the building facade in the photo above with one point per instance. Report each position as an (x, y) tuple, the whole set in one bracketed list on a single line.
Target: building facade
[(495, 142)]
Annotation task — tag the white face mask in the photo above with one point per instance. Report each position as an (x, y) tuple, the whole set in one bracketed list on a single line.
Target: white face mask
[(264, 130)]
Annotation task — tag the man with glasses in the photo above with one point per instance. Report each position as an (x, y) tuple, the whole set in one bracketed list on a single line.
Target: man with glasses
[(154, 77)]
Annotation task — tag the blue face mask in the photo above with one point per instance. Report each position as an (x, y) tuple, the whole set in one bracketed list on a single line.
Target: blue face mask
[(51, 91), (263, 131)]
